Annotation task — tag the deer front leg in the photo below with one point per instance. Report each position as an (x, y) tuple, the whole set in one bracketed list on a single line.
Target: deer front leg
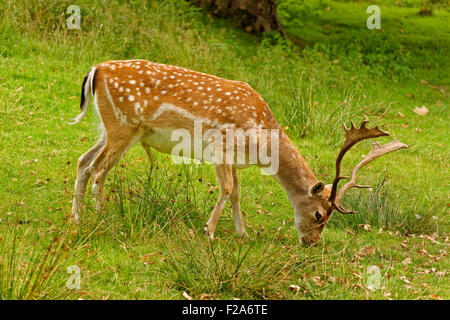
[(147, 149), (225, 179), (235, 204)]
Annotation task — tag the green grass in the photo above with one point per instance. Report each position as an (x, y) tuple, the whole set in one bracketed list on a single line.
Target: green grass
[(148, 242)]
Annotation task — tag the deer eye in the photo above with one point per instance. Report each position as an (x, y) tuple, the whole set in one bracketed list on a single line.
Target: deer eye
[(318, 215)]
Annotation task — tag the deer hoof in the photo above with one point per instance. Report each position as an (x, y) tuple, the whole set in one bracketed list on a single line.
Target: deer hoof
[(244, 235), (208, 233)]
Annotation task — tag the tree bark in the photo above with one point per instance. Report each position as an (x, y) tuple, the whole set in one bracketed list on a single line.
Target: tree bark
[(256, 16)]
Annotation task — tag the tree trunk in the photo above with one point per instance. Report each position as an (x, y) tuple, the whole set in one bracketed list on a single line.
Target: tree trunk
[(256, 16)]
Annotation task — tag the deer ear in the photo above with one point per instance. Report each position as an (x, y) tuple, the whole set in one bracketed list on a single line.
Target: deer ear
[(317, 189)]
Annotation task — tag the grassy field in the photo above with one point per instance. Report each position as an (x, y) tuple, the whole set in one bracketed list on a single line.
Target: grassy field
[(148, 243)]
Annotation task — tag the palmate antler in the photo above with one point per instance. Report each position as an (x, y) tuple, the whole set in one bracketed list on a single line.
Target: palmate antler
[(353, 136)]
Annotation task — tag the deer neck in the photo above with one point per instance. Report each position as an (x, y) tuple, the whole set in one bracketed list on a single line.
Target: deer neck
[(294, 173)]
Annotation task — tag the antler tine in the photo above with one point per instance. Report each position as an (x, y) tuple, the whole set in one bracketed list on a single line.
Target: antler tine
[(376, 152), (353, 135)]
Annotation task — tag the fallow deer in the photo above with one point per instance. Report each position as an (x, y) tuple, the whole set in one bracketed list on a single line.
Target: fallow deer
[(139, 100)]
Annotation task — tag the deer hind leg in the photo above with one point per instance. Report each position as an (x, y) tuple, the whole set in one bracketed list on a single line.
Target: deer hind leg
[(225, 179), (148, 150), (116, 145), (83, 177), (235, 204)]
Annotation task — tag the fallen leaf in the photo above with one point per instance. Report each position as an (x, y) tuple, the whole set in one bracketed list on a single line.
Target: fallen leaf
[(421, 111), (186, 296), (366, 251), (405, 279), (205, 296), (403, 244), (317, 281), (366, 227), (422, 252), (294, 288), (407, 261), (400, 115)]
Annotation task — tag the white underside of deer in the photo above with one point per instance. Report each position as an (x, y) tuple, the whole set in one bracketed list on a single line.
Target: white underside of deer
[(138, 100)]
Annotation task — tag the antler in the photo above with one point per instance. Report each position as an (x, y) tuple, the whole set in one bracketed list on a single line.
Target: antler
[(376, 152), (353, 136)]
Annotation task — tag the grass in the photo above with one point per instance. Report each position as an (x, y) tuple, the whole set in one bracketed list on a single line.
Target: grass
[(35, 273), (148, 242)]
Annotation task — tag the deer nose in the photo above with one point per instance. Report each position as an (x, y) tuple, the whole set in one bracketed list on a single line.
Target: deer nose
[(310, 240)]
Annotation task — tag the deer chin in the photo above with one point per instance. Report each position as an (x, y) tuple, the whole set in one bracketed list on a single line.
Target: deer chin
[(306, 235), (310, 239), (310, 235)]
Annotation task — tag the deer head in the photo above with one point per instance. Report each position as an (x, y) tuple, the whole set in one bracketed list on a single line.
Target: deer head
[(322, 200)]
